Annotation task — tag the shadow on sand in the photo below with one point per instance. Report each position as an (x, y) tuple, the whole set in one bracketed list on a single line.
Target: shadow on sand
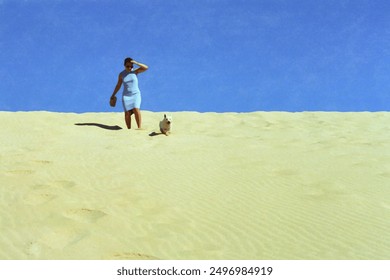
[(155, 133), (108, 127)]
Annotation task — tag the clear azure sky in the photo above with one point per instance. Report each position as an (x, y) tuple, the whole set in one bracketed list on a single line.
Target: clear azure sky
[(203, 55)]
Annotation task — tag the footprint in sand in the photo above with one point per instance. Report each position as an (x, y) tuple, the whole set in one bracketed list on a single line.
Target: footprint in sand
[(42, 161), (132, 256), (64, 184), (62, 237), (84, 215), (55, 185), (38, 198), (40, 187), (20, 172)]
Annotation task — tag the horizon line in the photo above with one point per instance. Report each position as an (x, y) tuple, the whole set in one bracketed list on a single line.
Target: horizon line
[(192, 111)]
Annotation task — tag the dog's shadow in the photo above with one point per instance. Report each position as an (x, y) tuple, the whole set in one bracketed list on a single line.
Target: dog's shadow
[(154, 133), (104, 126)]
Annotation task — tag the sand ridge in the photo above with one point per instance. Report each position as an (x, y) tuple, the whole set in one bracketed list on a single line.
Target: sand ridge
[(261, 185)]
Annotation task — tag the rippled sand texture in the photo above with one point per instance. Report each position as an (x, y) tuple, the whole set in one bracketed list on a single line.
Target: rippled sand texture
[(264, 185)]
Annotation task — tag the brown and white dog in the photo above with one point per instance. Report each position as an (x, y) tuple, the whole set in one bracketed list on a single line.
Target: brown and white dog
[(166, 125)]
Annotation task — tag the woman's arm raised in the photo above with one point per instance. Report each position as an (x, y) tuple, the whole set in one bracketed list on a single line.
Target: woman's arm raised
[(142, 67)]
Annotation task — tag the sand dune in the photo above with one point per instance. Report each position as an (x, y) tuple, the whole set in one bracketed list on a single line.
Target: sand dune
[(260, 185)]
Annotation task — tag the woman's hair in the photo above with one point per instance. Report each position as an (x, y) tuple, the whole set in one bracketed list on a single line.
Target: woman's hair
[(127, 59)]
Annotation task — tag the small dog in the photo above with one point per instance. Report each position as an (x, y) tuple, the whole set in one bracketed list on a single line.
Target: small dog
[(166, 125)]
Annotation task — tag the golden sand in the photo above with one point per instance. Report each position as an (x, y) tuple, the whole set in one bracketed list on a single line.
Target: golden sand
[(262, 185)]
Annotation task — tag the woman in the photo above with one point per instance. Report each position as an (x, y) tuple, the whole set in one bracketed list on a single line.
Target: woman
[(131, 96)]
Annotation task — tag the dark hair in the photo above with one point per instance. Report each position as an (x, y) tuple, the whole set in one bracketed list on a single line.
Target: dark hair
[(127, 59)]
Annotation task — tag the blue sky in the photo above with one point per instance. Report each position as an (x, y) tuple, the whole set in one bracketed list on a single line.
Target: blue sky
[(204, 55)]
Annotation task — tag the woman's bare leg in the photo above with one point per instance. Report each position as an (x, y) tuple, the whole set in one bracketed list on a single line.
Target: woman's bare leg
[(137, 114), (128, 118)]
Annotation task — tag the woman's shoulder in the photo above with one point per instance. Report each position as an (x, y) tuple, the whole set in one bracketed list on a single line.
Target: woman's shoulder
[(125, 73)]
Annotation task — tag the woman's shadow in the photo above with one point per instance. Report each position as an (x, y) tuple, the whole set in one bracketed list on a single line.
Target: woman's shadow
[(108, 127)]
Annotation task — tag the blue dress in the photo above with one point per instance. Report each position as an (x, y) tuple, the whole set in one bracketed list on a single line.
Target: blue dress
[(131, 95)]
